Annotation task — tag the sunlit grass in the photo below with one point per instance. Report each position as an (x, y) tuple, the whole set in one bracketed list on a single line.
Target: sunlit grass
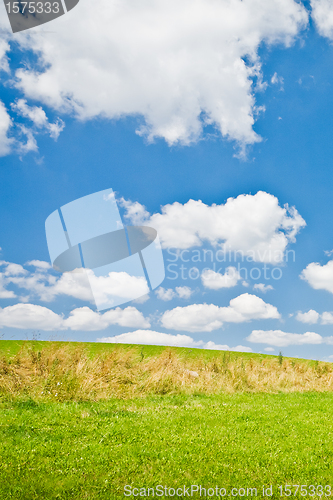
[(82, 421), (73, 372), (91, 450)]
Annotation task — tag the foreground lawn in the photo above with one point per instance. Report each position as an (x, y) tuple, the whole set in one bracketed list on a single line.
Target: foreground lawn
[(91, 450)]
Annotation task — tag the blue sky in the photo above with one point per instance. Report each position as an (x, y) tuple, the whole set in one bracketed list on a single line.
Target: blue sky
[(161, 124)]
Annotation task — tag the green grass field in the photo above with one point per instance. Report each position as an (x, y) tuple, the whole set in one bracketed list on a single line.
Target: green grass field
[(91, 449)]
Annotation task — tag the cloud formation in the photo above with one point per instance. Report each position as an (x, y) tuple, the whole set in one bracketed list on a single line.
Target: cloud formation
[(151, 59), (180, 292), (38, 117), (209, 317), (35, 317), (319, 277), (30, 316), (312, 317), (262, 287), (254, 225), (282, 339), (5, 124), (322, 14), (46, 286), (215, 281), (151, 337)]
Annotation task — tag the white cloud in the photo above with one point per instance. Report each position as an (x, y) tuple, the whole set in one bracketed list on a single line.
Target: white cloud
[(152, 59), (39, 264), (311, 317), (34, 113), (216, 347), (47, 286), (5, 125), (164, 294), (219, 347), (215, 281), (322, 14), (117, 284), (77, 284), (277, 79), (13, 269), (84, 318), (136, 212), (5, 294), (30, 145), (254, 225), (209, 317), (4, 48), (241, 348), (38, 117), (269, 349), (151, 337), (181, 292), (327, 318), (83, 284), (262, 287), (142, 299), (184, 292), (319, 277), (283, 339), (31, 316)]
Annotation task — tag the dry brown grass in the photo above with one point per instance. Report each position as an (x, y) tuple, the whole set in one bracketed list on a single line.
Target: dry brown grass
[(69, 373)]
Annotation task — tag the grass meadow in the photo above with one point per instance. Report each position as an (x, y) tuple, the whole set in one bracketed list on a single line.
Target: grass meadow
[(95, 421)]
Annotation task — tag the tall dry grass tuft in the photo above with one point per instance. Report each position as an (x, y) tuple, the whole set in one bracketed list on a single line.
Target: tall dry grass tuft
[(68, 372)]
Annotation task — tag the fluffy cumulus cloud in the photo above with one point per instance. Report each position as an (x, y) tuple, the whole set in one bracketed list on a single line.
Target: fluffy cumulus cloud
[(31, 316), (262, 287), (4, 293), (319, 277), (327, 318), (215, 281), (284, 339), (152, 59), (222, 347), (310, 317), (322, 14), (39, 264), (107, 289), (180, 292), (44, 285), (256, 226), (209, 317), (151, 337), (5, 124), (84, 318), (4, 49)]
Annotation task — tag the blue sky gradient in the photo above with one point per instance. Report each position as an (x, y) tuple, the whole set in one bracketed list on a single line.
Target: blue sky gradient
[(293, 162)]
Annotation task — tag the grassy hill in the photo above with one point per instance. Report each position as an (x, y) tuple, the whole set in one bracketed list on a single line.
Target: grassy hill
[(93, 371), (95, 421)]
